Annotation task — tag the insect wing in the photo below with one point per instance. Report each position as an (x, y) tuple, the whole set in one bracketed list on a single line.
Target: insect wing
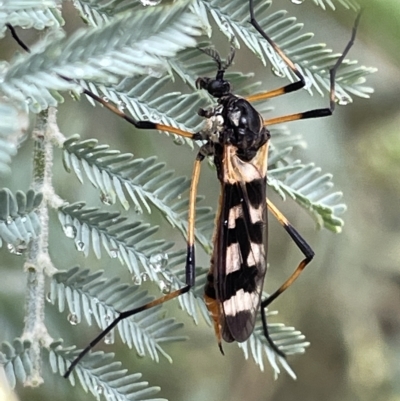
[(240, 248)]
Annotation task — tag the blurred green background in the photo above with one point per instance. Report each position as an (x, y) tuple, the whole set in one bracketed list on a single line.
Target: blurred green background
[(347, 303)]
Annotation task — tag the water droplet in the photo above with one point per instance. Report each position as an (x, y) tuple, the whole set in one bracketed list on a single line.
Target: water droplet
[(308, 83), (114, 253), (144, 277), (121, 105), (79, 72), (105, 61), (80, 246), (137, 280), (9, 220), (150, 2), (17, 249), (179, 196), (165, 287), (73, 95), (105, 99), (48, 297), (99, 389), (278, 72), (73, 319), (153, 72), (179, 140), (155, 117), (23, 219), (138, 210), (109, 338), (343, 100), (106, 199), (297, 1), (158, 261), (69, 230)]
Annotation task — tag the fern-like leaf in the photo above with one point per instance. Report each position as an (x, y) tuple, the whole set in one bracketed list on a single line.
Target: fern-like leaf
[(134, 44), (145, 259), (313, 60), (311, 190), (13, 123), (101, 376), (288, 339), (19, 222), (37, 14), (96, 12), (89, 295), (349, 4), (143, 179), (15, 359)]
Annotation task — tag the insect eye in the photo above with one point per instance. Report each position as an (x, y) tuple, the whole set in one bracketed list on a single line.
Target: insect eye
[(215, 87), (219, 88)]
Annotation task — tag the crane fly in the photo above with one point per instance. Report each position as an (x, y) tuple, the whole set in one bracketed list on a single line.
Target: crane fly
[(236, 136)]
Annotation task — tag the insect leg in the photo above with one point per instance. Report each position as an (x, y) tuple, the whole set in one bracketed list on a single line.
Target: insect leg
[(307, 252), (189, 267), (111, 107), (301, 244), (327, 111), (292, 87)]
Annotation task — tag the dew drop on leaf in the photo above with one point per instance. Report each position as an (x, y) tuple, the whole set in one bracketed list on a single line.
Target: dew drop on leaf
[(344, 100), (73, 319), (158, 261), (150, 2), (109, 338), (69, 231), (17, 249), (165, 287), (178, 140), (106, 199), (114, 253), (277, 72), (80, 246)]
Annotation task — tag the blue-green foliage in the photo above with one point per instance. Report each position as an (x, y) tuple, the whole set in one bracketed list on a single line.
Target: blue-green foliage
[(127, 55)]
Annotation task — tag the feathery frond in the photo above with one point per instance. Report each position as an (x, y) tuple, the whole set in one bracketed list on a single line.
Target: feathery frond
[(312, 59), (133, 44), (128, 57), (90, 227), (19, 222), (37, 14), (101, 299), (288, 339), (311, 190), (15, 359), (13, 123), (143, 179), (349, 4), (101, 376)]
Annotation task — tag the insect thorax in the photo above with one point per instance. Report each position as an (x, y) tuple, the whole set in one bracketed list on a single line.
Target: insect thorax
[(233, 121)]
